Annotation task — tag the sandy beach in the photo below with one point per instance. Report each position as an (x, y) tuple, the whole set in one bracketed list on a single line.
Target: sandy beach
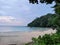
[(20, 38)]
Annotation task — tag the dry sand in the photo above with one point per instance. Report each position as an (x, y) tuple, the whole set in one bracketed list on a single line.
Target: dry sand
[(20, 38)]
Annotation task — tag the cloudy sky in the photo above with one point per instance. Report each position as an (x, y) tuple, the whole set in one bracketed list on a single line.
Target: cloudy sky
[(20, 12)]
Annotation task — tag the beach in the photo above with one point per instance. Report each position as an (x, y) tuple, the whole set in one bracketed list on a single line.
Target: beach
[(21, 38)]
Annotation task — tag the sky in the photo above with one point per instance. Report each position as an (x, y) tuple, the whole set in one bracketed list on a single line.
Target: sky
[(21, 12)]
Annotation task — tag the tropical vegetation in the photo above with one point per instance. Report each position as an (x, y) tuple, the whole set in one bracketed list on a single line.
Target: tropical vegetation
[(47, 39), (43, 21), (52, 20)]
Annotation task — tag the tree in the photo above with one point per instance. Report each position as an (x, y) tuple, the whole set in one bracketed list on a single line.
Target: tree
[(43, 21), (53, 39), (56, 21), (56, 6), (43, 1)]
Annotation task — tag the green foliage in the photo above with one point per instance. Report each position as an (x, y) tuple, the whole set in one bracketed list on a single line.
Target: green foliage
[(47, 39), (57, 10), (53, 21), (47, 21), (43, 1), (43, 21), (56, 21)]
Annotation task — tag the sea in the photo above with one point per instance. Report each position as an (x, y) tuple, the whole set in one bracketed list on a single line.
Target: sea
[(21, 28)]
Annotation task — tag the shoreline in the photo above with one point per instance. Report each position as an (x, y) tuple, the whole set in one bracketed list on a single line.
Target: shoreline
[(21, 38)]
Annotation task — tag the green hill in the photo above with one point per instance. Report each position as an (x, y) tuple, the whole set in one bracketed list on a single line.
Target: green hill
[(43, 21)]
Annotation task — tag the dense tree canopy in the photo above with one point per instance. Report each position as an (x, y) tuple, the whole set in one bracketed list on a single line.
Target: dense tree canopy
[(43, 1), (43, 21)]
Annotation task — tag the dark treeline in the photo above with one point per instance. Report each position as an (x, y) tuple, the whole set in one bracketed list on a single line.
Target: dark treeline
[(43, 21)]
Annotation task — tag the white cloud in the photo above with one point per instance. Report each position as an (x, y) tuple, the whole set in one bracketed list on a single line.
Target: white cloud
[(8, 19)]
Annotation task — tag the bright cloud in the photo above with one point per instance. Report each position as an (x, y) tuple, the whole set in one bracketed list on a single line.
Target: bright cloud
[(9, 20), (6, 19)]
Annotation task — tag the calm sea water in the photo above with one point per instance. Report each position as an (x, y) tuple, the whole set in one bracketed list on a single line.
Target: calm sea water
[(20, 28)]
